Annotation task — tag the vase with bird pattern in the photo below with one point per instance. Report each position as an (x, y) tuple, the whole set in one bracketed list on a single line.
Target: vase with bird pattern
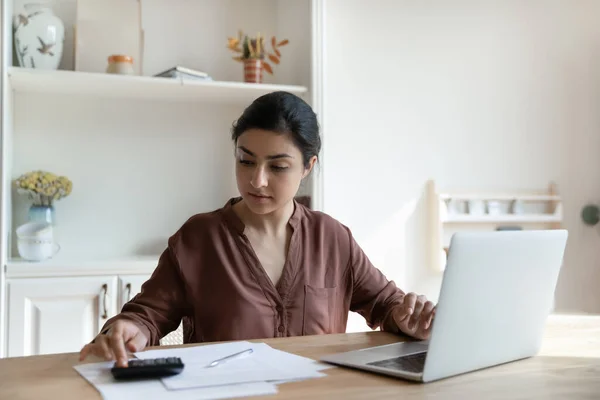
[(39, 37)]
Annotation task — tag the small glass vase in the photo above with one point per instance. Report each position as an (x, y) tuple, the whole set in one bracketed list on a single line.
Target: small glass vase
[(42, 213)]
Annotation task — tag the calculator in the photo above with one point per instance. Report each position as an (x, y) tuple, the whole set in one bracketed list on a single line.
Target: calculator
[(148, 368)]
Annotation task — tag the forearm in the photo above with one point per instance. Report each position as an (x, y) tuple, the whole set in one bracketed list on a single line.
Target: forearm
[(389, 324), (375, 299), (161, 303), (151, 323), (373, 296)]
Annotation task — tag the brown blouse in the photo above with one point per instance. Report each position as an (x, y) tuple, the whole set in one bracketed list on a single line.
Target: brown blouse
[(210, 277)]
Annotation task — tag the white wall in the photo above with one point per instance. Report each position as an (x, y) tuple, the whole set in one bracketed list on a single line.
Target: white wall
[(139, 170), (476, 95)]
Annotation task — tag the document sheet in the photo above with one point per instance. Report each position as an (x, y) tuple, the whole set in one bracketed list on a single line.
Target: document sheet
[(254, 374)]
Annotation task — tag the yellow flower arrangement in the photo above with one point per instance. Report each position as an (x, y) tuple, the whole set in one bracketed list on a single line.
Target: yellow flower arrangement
[(44, 188)]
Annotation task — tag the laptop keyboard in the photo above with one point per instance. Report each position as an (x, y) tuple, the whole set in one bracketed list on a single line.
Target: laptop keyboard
[(410, 363)]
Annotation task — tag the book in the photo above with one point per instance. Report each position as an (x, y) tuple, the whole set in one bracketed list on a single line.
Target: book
[(179, 72)]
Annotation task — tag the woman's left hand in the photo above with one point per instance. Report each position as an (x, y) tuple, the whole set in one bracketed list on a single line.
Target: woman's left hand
[(414, 316)]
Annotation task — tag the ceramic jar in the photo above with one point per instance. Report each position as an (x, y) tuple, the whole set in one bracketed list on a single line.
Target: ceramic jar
[(457, 206), (120, 65), (476, 207), (39, 37)]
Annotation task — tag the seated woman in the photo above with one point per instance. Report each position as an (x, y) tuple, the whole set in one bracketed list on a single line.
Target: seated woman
[(263, 265)]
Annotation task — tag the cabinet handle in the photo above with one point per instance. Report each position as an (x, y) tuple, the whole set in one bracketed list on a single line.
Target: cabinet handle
[(128, 288), (105, 301)]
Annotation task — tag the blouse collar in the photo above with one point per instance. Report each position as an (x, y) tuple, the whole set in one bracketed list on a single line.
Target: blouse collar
[(239, 226)]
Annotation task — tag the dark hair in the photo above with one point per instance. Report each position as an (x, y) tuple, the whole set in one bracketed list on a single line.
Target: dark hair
[(283, 112)]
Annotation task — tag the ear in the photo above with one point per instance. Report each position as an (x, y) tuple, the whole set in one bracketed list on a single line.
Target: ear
[(311, 164)]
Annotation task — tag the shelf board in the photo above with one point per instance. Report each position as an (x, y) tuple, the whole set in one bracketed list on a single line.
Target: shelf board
[(507, 218), (56, 267), (29, 80), (523, 197)]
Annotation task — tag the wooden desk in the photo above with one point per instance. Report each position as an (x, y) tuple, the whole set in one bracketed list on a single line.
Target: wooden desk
[(568, 367)]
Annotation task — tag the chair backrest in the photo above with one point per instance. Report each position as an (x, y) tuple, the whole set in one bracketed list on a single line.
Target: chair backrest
[(182, 335), (173, 338)]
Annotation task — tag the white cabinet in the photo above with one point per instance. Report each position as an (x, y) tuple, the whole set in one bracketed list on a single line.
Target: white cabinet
[(129, 286), (58, 306), (57, 315)]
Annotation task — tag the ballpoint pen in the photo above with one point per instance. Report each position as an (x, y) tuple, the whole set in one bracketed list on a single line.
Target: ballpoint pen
[(224, 359)]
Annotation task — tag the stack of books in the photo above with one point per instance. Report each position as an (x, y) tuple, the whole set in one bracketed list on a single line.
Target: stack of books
[(179, 72)]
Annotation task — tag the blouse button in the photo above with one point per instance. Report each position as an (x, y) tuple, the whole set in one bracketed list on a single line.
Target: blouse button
[(281, 328)]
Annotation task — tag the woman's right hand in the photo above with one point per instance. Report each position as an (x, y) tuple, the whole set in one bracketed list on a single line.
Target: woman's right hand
[(123, 336)]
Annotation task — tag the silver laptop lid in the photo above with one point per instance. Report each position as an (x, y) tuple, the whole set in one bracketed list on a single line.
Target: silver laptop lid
[(497, 292)]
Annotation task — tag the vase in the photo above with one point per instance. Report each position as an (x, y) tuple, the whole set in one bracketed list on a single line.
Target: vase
[(42, 213), (253, 71), (39, 37)]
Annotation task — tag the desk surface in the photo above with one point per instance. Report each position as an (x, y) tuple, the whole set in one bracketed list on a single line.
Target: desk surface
[(567, 367)]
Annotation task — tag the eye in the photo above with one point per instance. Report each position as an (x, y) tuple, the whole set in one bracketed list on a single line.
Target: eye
[(278, 168), (246, 162)]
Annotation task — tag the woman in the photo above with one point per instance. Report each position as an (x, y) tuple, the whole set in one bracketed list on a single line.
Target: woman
[(263, 265)]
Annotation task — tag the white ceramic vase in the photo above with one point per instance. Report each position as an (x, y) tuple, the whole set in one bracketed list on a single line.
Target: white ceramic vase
[(39, 37)]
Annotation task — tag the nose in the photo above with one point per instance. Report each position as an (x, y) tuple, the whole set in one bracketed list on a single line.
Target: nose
[(259, 178)]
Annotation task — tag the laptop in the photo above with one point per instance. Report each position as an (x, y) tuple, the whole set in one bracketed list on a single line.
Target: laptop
[(497, 292)]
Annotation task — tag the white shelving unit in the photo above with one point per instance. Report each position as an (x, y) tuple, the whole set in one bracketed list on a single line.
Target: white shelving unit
[(160, 134), (451, 212)]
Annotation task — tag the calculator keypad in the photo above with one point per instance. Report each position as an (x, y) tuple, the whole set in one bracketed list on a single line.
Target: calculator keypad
[(149, 368), (153, 361)]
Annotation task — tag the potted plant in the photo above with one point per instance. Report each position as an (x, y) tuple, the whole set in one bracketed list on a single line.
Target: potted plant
[(254, 55)]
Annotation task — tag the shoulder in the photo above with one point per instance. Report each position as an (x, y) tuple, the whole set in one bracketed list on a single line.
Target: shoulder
[(202, 222), (321, 224), (321, 219), (198, 228)]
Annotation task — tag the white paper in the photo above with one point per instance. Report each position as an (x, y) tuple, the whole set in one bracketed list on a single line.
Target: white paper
[(292, 360), (98, 374), (264, 364)]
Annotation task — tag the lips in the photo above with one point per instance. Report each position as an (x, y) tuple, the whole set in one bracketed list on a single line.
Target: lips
[(259, 196)]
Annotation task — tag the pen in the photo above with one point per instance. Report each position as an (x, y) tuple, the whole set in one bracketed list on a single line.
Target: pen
[(224, 359)]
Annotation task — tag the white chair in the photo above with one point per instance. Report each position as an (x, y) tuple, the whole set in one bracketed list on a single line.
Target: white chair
[(173, 338)]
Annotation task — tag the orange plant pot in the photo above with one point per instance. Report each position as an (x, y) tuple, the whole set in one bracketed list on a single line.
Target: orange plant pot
[(253, 71)]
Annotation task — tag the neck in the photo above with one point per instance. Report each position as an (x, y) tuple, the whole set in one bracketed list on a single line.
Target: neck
[(270, 224)]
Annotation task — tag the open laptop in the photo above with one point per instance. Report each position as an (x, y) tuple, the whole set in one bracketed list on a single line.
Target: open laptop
[(497, 292)]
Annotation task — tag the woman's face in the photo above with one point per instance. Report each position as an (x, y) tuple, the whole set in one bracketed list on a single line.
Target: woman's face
[(269, 169)]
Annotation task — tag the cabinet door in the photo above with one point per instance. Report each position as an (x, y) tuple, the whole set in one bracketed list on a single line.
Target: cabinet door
[(57, 315), (129, 286)]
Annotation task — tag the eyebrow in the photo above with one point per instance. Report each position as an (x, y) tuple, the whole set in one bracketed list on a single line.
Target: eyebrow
[(273, 157)]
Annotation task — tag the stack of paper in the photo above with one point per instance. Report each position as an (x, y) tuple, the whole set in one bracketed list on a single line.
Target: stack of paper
[(254, 374)]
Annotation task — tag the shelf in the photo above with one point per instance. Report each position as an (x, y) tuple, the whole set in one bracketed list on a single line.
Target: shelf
[(507, 218), (491, 196), (19, 268), (27, 80), (447, 218)]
